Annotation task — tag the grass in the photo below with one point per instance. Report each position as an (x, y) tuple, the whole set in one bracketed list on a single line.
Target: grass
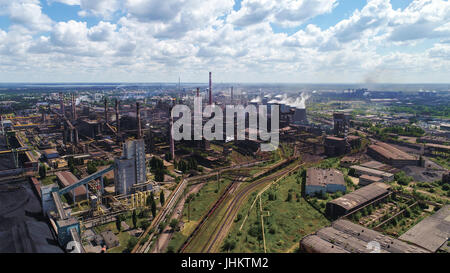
[(444, 162), (123, 236), (48, 180), (199, 206), (288, 221)]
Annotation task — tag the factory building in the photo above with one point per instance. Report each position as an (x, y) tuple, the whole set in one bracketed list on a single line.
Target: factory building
[(361, 170), (130, 169), (299, 117), (341, 123), (365, 179), (346, 237), (324, 180), (390, 155), (336, 146), (432, 233), (353, 201), (66, 179)]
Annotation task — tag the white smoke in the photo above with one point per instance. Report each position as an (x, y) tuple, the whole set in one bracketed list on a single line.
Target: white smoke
[(256, 100), (80, 99), (298, 103)]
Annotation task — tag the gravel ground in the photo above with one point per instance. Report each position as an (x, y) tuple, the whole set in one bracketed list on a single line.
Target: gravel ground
[(22, 225)]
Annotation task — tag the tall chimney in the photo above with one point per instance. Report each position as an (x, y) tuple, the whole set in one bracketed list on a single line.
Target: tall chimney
[(74, 108), (106, 110), (138, 117), (61, 104), (210, 88), (172, 143), (117, 117), (232, 94)]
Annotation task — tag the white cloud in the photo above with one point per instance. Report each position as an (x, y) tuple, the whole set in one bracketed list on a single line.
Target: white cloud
[(159, 40), (27, 13), (285, 13)]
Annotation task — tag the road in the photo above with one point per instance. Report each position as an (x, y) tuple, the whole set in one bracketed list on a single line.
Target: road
[(163, 240)]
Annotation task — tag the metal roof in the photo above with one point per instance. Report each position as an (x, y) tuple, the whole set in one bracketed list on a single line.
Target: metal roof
[(362, 195), (432, 232)]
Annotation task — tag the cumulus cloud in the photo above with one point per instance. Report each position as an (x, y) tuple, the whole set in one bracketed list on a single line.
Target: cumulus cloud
[(147, 40), (285, 13), (27, 13)]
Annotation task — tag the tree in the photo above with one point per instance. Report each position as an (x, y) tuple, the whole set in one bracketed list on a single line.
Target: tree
[(149, 200), (289, 197), (134, 218), (153, 207), (42, 171), (173, 223), (229, 245), (91, 167), (131, 243), (118, 224), (159, 175), (161, 198)]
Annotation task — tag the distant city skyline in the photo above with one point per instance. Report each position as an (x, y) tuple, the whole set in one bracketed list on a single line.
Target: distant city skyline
[(243, 41)]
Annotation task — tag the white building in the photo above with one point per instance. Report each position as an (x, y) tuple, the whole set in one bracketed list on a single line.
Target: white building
[(130, 169)]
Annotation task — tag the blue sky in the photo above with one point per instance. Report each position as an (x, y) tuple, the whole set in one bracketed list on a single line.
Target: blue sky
[(242, 40)]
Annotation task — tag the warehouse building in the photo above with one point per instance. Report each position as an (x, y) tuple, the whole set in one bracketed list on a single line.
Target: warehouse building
[(351, 202), (365, 179), (376, 165), (390, 155), (346, 237), (66, 179), (360, 170), (324, 180), (432, 233)]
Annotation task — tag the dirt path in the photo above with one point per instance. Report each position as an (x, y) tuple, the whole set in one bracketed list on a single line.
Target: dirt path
[(163, 239)]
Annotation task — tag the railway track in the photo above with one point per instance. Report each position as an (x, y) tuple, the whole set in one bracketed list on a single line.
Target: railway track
[(210, 212), (231, 211)]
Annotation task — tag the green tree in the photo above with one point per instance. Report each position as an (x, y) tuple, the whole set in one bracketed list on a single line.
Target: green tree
[(289, 197), (131, 243), (118, 225), (42, 171), (161, 198), (134, 218), (91, 167), (173, 223), (159, 175)]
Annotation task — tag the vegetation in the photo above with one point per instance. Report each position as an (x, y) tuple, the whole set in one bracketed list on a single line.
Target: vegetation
[(161, 198), (42, 171), (285, 223), (91, 167), (423, 110), (402, 178), (158, 168)]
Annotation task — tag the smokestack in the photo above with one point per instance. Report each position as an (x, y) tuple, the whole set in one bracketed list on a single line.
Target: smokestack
[(172, 143), (106, 110), (232, 94), (210, 88), (61, 104), (138, 117), (74, 108), (117, 117)]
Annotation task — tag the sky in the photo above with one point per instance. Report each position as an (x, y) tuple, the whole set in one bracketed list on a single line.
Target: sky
[(267, 41)]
